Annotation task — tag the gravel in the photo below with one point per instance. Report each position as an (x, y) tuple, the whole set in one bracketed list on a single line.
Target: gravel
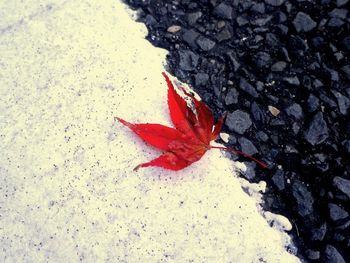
[(303, 22), (336, 212), (343, 102), (238, 121), (205, 43), (188, 60), (318, 234), (275, 2), (245, 86), (247, 146), (332, 255), (231, 97), (303, 198), (279, 66), (295, 111), (223, 11), (343, 185), (279, 180), (201, 79), (317, 132)]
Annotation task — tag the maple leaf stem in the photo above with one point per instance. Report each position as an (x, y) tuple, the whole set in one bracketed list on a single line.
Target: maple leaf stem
[(241, 153)]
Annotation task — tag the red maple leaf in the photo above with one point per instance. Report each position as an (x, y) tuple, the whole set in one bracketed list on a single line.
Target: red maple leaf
[(191, 137)]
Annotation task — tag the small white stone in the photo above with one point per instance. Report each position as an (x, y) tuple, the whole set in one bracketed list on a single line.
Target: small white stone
[(274, 111), (174, 29), (225, 137)]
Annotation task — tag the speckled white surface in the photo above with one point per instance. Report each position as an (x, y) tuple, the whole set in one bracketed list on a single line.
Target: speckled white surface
[(67, 189)]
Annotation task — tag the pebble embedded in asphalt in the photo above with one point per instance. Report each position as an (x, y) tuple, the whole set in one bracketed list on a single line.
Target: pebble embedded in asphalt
[(238, 121)]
